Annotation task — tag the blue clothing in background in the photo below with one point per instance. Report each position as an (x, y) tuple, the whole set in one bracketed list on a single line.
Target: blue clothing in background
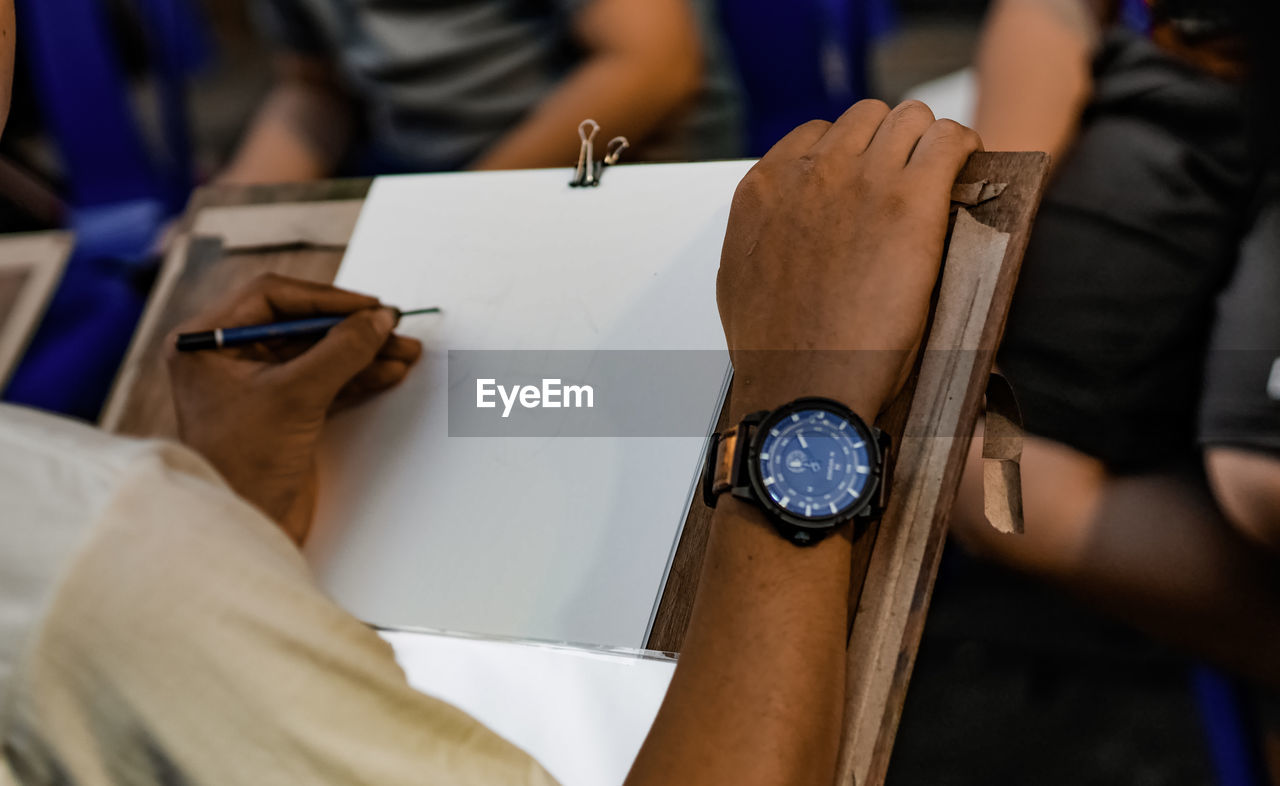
[(122, 184), (1136, 15), (801, 60)]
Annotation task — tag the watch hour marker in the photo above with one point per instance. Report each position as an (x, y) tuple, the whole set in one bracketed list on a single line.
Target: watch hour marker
[(803, 444), (853, 493), (795, 417), (843, 424), (764, 456), (859, 444), (833, 509), (773, 432), (863, 470), (808, 510), (783, 502), (769, 481)]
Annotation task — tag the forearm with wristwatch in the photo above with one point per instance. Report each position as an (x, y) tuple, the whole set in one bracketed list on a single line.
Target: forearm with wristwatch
[(830, 257)]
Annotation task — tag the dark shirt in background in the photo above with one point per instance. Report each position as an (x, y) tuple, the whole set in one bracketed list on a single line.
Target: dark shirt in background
[(1139, 234)]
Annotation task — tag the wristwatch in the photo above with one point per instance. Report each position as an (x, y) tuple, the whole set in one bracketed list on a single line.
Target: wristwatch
[(812, 466)]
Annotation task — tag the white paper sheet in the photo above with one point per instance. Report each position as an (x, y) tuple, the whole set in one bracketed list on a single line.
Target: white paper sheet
[(582, 714), (558, 539)]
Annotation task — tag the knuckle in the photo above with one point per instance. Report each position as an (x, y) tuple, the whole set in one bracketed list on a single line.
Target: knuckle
[(365, 330), (913, 110), (262, 284), (751, 190), (950, 132), (808, 166), (947, 127), (815, 125), (390, 373), (874, 103), (754, 179)]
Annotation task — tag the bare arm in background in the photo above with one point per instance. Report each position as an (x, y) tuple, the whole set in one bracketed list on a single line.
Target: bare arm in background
[(301, 131), (643, 61), (1034, 72)]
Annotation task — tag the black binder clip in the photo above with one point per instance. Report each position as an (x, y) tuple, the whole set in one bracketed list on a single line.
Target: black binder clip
[(589, 170)]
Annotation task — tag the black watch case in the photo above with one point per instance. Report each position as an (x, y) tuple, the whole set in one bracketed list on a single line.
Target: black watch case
[(747, 483)]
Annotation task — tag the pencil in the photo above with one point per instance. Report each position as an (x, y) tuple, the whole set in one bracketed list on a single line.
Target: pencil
[(315, 327)]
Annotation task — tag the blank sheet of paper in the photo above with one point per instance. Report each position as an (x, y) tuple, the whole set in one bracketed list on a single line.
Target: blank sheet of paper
[(552, 538), (582, 714)]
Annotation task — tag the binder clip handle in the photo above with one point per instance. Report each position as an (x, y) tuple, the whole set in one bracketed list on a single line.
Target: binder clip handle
[(586, 174), (589, 170), (616, 147)]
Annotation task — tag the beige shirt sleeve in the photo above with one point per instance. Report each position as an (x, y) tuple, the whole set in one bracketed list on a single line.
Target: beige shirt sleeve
[(187, 644)]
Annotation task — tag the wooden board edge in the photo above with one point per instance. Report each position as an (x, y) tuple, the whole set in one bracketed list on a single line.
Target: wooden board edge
[(1030, 189), (54, 249), (126, 376)]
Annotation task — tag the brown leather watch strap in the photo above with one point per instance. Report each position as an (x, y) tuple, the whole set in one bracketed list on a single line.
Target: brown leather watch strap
[(723, 465)]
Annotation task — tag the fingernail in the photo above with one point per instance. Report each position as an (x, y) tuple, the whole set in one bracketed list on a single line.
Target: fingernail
[(386, 318)]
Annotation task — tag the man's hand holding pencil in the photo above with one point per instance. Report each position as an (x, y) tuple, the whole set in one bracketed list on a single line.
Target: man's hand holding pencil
[(256, 411)]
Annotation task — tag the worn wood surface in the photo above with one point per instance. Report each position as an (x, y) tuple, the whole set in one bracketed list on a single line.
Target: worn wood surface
[(245, 228), (951, 379), (30, 268), (12, 284), (1002, 439), (894, 564)]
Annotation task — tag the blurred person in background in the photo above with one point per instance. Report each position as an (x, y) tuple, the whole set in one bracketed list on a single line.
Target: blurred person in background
[(1144, 339), (403, 86)]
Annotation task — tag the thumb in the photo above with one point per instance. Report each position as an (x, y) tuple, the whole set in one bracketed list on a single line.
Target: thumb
[(347, 349)]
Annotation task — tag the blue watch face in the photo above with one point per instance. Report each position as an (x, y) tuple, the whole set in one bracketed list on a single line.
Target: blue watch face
[(815, 464)]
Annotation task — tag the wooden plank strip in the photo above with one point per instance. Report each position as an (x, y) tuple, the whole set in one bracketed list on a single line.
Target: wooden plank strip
[(900, 557), (31, 265), (984, 259), (264, 227), (274, 194), (136, 360)]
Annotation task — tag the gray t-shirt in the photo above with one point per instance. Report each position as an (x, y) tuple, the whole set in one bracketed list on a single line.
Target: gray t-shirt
[(443, 80)]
